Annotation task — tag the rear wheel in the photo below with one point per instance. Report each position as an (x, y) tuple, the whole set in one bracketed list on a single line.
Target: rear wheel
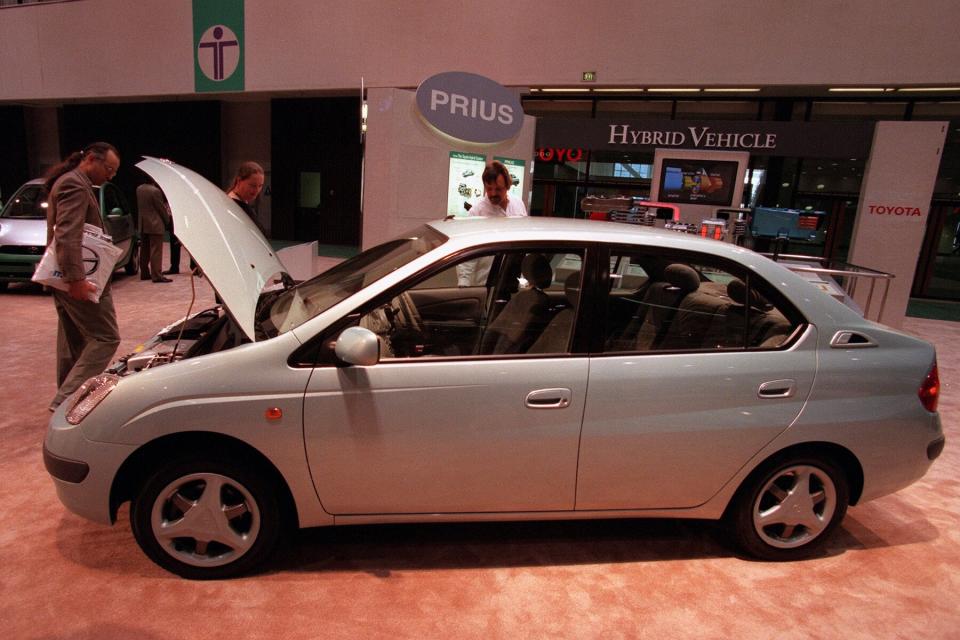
[(207, 519), (788, 510)]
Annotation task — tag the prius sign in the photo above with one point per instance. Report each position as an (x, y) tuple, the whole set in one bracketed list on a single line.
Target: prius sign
[(470, 107)]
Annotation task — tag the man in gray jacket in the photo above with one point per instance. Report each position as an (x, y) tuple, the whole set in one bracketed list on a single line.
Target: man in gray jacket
[(154, 215), (87, 333)]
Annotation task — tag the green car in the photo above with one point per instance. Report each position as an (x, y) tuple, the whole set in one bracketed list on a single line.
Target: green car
[(23, 230)]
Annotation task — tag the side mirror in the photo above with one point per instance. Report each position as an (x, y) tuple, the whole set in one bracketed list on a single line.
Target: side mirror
[(358, 346), (116, 212)]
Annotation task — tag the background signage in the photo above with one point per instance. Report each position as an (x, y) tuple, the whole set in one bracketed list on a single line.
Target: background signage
[(465, 181), (470, 107), (218, 45), (803, 139), (517, 169)]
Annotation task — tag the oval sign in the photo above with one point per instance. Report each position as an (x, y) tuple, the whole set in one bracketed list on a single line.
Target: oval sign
[(470, 107)]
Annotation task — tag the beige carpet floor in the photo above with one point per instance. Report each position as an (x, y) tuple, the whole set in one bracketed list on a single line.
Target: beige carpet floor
[(892, 572)]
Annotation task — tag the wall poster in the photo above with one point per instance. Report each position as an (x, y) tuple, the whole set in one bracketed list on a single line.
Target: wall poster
[(517, 169), (464, 185)]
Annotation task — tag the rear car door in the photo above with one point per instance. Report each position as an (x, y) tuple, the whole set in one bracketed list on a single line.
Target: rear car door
[(708, 369)]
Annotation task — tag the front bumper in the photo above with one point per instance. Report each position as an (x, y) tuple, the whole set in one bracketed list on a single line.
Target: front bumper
[(82, 470)]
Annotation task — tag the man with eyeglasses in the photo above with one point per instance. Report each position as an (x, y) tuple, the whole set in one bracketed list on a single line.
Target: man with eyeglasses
[(87, 333)]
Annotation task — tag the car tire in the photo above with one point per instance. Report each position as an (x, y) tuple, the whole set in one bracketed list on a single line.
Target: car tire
[(133, 263), (207, 519), (788, 509)]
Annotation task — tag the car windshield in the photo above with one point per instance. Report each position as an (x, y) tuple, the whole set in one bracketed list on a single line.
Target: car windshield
[(292, 307), (30, 202)]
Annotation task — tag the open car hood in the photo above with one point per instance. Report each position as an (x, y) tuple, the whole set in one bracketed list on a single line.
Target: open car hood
[(235, 257)]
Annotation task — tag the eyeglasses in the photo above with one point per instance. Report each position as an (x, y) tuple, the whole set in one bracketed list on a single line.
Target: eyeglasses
[(111, 170)]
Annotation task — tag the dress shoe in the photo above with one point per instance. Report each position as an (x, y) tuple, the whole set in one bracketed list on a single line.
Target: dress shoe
[(162, 279)]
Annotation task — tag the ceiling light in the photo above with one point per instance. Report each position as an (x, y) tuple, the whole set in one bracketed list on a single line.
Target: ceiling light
[(732, 90), (673, 90), (565, 90), (618, 90), (857, 89), (929, 89)]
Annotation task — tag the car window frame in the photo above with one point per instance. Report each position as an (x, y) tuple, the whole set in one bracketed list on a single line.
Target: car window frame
[(318, 351), (750, 278)]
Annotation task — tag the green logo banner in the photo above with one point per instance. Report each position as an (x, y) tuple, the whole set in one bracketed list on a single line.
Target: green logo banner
[(218, 45)]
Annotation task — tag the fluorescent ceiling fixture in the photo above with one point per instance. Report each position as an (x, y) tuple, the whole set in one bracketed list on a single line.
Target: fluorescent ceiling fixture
[(619, 90), (673, 90), (732, 90), (929, 89), (565, 90), (857, 89)]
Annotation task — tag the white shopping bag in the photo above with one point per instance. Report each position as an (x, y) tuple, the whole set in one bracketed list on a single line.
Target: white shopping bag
[(100, 257)]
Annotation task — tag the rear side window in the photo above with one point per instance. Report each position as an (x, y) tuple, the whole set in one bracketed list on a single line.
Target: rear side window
[(691, 303)]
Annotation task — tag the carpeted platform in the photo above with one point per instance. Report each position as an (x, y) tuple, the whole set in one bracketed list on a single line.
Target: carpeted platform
[(892, 572)]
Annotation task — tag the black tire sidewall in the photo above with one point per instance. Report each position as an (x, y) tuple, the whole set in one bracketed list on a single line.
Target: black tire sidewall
[(132, 267), (742, 526), (260, 486)]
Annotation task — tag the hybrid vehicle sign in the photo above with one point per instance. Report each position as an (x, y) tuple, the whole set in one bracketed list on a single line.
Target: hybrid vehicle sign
[(470, 107)]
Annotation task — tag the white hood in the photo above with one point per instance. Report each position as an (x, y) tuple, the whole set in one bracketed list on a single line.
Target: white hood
[(235, 257)]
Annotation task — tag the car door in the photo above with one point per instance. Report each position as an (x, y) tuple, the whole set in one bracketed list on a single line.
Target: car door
[(688, 389), (117, 219), (445, 428)]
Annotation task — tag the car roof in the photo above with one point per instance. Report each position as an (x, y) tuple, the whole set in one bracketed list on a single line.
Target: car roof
[(466, 230)]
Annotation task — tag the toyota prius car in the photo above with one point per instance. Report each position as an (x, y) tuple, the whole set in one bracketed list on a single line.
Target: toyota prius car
[(491, 369)]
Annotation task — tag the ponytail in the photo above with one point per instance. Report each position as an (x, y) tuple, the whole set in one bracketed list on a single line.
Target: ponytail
[(69, 164), (72, 161)]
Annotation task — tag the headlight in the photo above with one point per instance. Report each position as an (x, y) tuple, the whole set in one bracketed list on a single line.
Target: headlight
[(89, 396)]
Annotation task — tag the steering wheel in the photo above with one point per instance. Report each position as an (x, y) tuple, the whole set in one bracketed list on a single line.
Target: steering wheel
[(406, 315)]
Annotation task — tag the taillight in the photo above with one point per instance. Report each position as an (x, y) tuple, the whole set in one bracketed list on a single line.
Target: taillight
[(929, 391)]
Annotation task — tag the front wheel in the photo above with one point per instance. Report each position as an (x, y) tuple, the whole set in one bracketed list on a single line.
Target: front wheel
[(207, 519), (788, 510)]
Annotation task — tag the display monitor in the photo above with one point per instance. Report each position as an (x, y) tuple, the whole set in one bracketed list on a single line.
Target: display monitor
[(708, 182)]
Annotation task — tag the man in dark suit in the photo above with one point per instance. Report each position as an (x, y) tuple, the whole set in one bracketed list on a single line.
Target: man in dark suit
[(87, 333), (154, 214)]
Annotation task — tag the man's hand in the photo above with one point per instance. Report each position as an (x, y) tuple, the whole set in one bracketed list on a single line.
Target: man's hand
[(81, 289)]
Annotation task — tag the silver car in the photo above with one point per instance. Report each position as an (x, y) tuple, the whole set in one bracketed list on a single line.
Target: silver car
[(481, 369), (23, 230)]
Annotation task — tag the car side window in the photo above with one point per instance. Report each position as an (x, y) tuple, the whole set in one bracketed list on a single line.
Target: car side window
[(689, 303), (523, 303)]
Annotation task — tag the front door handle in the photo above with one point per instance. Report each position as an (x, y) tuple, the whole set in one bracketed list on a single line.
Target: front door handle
[(777, 389), (548, 399)]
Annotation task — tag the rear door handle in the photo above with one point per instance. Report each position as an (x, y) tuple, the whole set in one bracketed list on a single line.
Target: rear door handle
[(549, 399), (777, 389)]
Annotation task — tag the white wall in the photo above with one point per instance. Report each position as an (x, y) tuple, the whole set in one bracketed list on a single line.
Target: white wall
[(407, 165), (117, 48)]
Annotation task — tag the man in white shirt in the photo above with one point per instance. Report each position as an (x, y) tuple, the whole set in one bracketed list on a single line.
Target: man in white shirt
[(496, 202)]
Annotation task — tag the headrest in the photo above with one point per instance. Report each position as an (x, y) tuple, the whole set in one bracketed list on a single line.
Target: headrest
[(737, 291), (571, 287), (682, 277), (536, 270)]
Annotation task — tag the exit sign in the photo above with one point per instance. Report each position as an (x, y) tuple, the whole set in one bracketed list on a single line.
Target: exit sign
[(589, 76)]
